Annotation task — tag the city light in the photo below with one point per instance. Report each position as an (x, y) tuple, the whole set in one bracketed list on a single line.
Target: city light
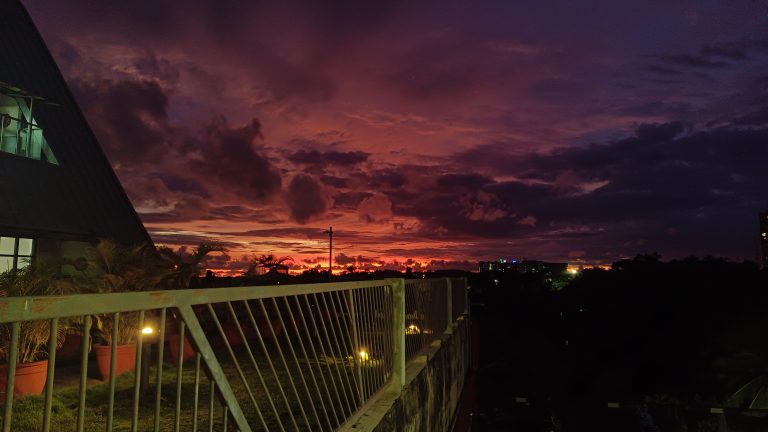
[(412, 329), (147, 330)]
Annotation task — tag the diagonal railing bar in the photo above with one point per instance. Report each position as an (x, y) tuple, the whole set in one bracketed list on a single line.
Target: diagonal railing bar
[(285, 363), (355, 339), (332, 322), (296, 361), (365, 326), (346, 341), (309, 365), (332, 359), (317, 362), (271, 367), (325, 356), (214, 368), (232, 355), (375, 341), (255, 364)]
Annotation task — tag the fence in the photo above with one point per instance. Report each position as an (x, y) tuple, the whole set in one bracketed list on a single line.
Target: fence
[(295, 357)]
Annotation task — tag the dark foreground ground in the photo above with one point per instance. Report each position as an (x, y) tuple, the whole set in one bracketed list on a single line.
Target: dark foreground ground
[(565, 361)]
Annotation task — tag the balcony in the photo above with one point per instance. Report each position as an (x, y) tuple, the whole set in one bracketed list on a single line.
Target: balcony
[(322, 357)]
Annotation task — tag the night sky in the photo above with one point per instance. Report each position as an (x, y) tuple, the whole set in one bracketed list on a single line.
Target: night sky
[(429, 133)]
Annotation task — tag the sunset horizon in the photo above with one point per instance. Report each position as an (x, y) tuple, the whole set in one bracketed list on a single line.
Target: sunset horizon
[(428, 138)]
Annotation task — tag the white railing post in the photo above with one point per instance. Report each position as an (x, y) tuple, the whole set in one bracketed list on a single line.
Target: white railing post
[(449, 303), (398, 332), (356, 341)]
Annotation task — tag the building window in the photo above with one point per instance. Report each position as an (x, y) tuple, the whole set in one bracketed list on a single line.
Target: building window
[(19, 132), (15, 253)]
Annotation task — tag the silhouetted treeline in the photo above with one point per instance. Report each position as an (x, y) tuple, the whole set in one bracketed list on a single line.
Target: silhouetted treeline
[(691, 331)]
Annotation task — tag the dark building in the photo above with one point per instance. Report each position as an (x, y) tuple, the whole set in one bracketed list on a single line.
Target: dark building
[(525, 266), (764, 240), (546, 268), (501, 265), (58, 192)]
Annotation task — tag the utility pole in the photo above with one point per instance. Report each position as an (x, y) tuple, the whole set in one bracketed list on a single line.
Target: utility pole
[(330, 252)]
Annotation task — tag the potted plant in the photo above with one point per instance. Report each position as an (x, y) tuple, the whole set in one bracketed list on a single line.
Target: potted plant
[(183, 268), (127, 332), (34, 336), (121, 269)]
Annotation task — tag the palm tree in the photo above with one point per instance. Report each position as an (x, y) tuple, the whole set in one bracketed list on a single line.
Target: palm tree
[(269, 262), (185, 267), (119, 268)]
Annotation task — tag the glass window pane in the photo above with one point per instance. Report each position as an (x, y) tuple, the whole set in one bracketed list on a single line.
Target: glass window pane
[(6, 263), (6, 245), (25, 247), (23, 262)]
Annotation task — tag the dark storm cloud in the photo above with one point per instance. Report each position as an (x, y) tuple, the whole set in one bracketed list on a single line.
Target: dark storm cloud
[(129, 117), (730, 53), (693, 61), (759, 117), (314, 157), (350, 199), (470, 181), (230, 158), (178, 183), (426, 81), (293, 232), (306, 198), (664, 176), (334, 181), (388, 177), (150, 65), (658, 108), (169, 237)]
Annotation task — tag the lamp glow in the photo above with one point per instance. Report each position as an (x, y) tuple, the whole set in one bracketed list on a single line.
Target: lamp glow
[(363, 355), (147, 330)]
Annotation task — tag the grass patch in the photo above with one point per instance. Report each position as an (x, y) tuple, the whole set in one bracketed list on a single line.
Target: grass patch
[(28, 411)]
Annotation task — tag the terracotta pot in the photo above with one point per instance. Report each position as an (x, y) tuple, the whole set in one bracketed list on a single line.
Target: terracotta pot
[(71, 348), (233, 335), (30, 378), (125, 359), (173, 348)]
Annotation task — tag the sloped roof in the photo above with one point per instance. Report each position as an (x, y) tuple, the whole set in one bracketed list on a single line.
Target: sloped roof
[(82, 195)]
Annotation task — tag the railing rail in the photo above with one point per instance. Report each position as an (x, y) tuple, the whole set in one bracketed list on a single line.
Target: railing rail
[(293, 357)]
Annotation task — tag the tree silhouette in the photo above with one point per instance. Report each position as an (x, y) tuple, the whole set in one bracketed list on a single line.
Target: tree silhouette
[(269, 262), (185, 267)]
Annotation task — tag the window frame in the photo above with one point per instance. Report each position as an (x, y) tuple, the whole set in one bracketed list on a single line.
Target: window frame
[(15, 256)]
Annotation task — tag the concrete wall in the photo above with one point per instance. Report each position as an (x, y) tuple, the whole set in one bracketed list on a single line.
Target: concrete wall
[(433, 387)]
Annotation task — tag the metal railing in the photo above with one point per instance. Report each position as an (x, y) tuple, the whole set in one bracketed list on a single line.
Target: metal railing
[(294, 357)]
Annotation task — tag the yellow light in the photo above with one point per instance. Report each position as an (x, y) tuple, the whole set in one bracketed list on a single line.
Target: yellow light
[(147, 330), (363, 355), (412, 329)]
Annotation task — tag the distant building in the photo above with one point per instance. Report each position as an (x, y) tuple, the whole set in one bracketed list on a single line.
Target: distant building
[(545, 268), (764, 240), (525, 266), (58, 192), (500, 265)]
